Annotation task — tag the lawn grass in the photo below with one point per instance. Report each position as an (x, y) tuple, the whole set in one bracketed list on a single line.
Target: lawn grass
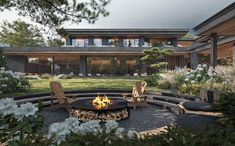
[(86, 83)]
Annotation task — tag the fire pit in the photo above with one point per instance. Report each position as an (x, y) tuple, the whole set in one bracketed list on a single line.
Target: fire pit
[(101, 108)]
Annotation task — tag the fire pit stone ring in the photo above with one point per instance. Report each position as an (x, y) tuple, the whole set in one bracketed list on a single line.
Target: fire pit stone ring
[(85, 110)]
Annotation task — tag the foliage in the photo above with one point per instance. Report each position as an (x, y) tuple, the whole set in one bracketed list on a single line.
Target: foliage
[(164, 84), (220, 78), (19, 124), (55, 43), (156, 59), (188, 36), (226, 104), (191, 89), (21, 34), (11, 82), (152, 79), (54, 13), (172, 79)]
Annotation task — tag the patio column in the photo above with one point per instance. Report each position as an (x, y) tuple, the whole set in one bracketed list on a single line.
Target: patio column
[(233, 54), (68, 41), (90, 41), (194, 60), (141, 41), (83, 65), (53, 65), (120, 42), (213, 50)]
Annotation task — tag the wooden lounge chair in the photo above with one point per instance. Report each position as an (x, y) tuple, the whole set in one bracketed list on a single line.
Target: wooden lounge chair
[(137, 95), (58, 93)]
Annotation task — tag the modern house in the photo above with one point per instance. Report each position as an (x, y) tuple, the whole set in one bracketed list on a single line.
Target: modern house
[(99, 51), (216, 41)]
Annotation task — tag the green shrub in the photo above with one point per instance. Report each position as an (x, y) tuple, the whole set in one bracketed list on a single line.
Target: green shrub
[(191, 89), (46, 76), (164, 84), (152, 79), (14, 84), (226, 105)]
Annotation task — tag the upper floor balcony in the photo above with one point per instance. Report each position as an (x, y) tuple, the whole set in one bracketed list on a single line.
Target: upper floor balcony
[(83, 50)]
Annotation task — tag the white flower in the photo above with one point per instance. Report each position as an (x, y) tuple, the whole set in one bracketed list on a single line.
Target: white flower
[(200, 69), (199, 75), (119, 132), (25, 110), (132, 133), (199, 65), (110, 125), (4, 85), (187, 73), (7, 106), (192, 82), (210, 71), (204, 65), (59, 131), (191, 75), (72, 123), (186, 79), (92, 126)]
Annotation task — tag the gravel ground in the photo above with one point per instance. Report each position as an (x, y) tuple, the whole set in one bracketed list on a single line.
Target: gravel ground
[(141, 119)]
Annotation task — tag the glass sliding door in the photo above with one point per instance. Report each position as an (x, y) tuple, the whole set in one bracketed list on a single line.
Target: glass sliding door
[(39, 65)]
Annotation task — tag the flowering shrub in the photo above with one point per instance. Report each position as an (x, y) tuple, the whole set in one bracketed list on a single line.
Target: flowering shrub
[(70, 130), (18, 123), (11, 82), (201, 74)]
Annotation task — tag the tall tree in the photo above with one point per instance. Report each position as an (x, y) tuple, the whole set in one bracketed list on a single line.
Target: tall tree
[(55, 43), (156, 58), (21, 34), (54, 12)]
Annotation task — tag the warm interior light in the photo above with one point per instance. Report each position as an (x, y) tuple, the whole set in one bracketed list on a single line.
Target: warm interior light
[(101, 102)]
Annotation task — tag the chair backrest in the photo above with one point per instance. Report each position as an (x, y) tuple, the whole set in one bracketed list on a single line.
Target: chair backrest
[(135, 93), (58, 91), (140, 87)]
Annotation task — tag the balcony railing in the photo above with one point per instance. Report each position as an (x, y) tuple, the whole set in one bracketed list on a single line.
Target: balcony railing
[(82, 49)]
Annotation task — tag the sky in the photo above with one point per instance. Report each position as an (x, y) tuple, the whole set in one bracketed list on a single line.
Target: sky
[(147, 14)]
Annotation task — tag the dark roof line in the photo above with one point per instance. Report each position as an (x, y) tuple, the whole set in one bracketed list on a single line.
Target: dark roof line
[(215, 16), (127, 29)]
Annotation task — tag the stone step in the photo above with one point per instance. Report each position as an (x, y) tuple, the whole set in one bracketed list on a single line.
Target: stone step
[(173, 100)]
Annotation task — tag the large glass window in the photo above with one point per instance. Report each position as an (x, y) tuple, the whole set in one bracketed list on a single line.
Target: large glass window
[(93, 65), (113, 65), (74, 42), (131, 42), (66, 65), (39, 65), (82, 42), (98, 42)]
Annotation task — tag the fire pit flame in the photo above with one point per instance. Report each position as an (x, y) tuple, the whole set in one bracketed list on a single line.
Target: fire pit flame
[(101, 102)]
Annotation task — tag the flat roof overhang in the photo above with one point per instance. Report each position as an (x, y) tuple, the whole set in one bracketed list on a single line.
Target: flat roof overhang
[(204, 46), (222, 23), (152, 33), (89, 51)]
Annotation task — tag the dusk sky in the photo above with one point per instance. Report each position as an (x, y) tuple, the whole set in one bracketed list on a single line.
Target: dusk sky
[(148, 14)]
